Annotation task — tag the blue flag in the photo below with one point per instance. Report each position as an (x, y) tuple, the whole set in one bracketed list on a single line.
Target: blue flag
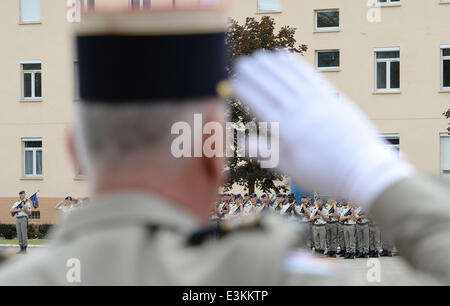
[(34, 200)]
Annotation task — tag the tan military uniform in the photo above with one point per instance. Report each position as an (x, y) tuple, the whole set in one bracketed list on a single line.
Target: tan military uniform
[(415, 215)]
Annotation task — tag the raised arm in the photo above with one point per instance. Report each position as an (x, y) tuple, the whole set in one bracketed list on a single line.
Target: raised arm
[(412, 209)]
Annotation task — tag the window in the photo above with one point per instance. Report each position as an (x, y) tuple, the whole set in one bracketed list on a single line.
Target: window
[(269, 6), (328, 60), (445, 55), (387, 70), (32, 157), (445, 154), (140, 4), (35, 215), (389, 2), (31, 80), (76, 81), (327, 20), (30, 11), (393, 142)]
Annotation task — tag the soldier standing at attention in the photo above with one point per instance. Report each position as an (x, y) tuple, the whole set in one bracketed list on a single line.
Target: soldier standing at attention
[(246, 198), (374, 238), (22, 210), (332, 227), (276, 207), (302, 211), (362, 233), (319, 231), (341, 240), (348, 220), (263, 204), (250, 206)]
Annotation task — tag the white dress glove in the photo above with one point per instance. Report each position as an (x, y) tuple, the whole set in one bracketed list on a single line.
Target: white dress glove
[(326, 145)]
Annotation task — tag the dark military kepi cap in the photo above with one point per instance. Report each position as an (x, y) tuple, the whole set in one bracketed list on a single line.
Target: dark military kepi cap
[(164, 55)]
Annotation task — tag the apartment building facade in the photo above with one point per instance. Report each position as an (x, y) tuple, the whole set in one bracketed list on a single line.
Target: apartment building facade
[(391, 57)]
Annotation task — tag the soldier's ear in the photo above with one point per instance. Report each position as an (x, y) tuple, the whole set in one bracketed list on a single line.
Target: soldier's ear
[(214, 165)]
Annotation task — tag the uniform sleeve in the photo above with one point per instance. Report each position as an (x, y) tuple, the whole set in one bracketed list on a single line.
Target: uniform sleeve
[(415, 214)]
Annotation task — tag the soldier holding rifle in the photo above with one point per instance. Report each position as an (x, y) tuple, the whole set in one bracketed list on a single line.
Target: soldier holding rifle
[(21, 210)]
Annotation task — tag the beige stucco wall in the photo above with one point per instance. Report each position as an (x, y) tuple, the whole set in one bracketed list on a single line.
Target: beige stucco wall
[(417, 27)]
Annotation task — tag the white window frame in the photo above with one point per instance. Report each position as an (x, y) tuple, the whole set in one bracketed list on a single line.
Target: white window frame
[(389, 3), (388, 62), (21, 21), (334, 68), (442, 136), (33, 72), (259, 10), (444, 58), (328, 29), (34, 150)]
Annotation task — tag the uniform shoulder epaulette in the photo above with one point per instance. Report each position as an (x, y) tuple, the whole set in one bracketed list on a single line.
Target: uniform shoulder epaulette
[(225, 228)]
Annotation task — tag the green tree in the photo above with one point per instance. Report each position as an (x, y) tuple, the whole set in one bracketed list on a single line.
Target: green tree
[(244, 39)]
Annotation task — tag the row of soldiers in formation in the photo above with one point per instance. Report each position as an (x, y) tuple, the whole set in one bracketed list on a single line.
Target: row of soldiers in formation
[(331, 226)]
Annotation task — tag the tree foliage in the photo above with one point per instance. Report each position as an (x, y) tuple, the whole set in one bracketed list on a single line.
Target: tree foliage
[(244, 39)]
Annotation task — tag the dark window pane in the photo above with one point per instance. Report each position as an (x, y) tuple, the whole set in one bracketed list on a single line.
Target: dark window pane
[(33, 144), (328, 59), (37, 85), (393, 140), (27, 85), (327, 19), (146, 3), (31, 66), (446, 52), (446, 72), (390, 54), (395, 74), (381, 75)]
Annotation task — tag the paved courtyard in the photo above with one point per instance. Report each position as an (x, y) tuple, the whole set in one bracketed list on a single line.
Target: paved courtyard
[(393, 270)]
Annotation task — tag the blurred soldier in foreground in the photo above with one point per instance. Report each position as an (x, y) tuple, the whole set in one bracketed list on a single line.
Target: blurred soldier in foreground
[(140, 228)]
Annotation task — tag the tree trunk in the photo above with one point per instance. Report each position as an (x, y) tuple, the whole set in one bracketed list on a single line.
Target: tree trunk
[(251, 186)]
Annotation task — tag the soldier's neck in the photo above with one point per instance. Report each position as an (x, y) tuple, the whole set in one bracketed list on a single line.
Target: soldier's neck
[(174, 190)]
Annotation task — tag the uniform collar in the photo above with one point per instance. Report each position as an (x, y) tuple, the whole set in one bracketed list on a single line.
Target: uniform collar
[(124, 209)]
